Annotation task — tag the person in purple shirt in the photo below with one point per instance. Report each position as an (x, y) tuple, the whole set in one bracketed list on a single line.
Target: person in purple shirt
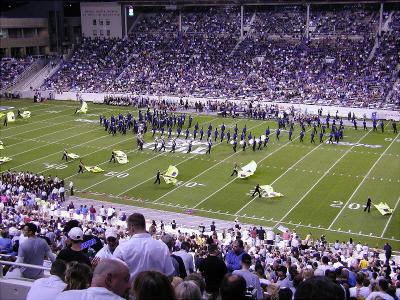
[(5, 243), (234, 257)]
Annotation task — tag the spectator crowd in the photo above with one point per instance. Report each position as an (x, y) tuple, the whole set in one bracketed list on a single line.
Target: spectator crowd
[(106, 254)]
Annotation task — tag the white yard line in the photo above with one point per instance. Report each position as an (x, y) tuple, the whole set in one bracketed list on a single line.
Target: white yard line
[(27, 140), (34, 122), (59, 152), (319, 180), (390, 218), (133, 166), (283, 174), (190, 157), (205, 171), (361, 183), (135, 186)]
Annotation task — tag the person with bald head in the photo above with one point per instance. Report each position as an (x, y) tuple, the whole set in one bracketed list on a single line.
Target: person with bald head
[(110, 281)]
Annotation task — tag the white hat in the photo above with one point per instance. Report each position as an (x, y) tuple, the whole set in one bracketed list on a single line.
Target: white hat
[(76, 234), (111, 233)]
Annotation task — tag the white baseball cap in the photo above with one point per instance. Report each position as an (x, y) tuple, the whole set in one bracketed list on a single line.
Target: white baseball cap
[(111, 233), (76, 234)]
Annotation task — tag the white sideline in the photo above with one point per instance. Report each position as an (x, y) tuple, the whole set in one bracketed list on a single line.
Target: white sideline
[(390, 218), (290, 168), (362, 181), (213, 166), (319, 180)]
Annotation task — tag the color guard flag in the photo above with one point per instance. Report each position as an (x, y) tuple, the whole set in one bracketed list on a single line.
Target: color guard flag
[(121, 157), (83, 109), (73, 155), (10, 116), (1, 145), (94, 169), (268, 191), (170, 175), (384, 209), (2, 115), (247, 170), (4, 159), (26, 114)]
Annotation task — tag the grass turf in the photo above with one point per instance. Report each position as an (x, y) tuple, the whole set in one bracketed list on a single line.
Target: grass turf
[(325, 186)]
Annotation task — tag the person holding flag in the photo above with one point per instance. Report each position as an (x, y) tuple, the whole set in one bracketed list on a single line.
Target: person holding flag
[(81, 166), (257, 190), (158, 177), (235, 170), (65, 155), (209, 147), (113, 157), (234, 145)]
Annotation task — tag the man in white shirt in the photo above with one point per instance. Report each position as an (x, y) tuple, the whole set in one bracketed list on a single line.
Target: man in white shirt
[(48, 288), (110, 282), (103, 213), (383, 287), (142, 252), (112, 243), (186, 257)]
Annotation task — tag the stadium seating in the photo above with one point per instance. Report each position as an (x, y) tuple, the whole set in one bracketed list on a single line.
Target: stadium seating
[(342, 64), (12, 68)]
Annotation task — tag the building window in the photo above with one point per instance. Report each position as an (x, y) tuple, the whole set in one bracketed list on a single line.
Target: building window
[(94, 32), (108, 32), (108, 22), (101, 22), (94, 22), (101, 32)]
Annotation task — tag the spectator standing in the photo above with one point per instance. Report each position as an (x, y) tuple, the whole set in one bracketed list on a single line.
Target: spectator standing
[(252, 281), (112, 242), (234, 257), (213, 269), (74, 252), (142, 252), (33, 251), (186, 257)]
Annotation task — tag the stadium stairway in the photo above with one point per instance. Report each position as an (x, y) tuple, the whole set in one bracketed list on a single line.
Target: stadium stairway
[(37, 79)]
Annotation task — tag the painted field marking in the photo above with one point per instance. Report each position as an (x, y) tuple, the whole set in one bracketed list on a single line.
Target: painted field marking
[(205, 171), (319, 180), (190, 157), (360, 184)]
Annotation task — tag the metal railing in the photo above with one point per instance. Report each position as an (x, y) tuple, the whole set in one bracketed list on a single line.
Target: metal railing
[(15, 264)]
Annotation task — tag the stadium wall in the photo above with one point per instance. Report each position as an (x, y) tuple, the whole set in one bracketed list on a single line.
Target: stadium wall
[(313, 109)]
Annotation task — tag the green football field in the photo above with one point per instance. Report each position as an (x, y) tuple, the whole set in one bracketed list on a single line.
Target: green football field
[(325, 186)]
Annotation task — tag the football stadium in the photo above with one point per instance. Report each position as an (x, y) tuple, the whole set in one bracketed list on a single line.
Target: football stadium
[(200, 149)]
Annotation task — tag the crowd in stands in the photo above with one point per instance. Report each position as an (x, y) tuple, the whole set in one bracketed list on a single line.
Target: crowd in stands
[(109, 255), (209, 60), (11, 68)]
